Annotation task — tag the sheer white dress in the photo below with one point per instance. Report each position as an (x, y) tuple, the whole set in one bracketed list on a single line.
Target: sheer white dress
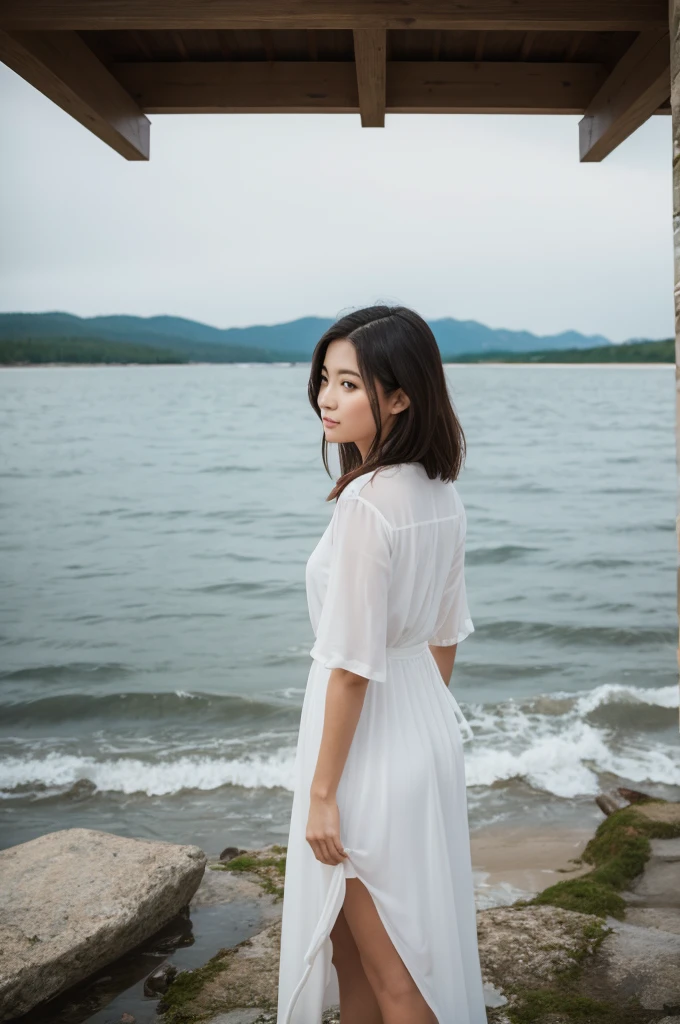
[(386, 578)]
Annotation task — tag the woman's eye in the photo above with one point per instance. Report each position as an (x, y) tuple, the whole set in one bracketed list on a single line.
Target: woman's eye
[(350, 383)]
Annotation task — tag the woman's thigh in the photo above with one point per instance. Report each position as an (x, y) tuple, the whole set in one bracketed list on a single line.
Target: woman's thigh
[(383, 966)]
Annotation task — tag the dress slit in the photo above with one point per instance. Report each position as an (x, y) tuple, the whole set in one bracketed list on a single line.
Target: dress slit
[(404, 959), (334, 903)]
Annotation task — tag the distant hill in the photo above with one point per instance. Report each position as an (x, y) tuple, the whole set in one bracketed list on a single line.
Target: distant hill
[(39, 351), (628, 352), (293, 341)]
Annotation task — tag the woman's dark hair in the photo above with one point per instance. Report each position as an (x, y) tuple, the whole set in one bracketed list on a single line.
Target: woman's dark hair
[(396, 346)]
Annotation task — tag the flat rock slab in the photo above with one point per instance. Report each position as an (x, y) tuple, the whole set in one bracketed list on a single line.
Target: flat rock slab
[(659, 883), (530, 946), (75, 900), (636, 961)]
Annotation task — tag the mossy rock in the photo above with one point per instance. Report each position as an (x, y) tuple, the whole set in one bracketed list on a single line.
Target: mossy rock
[(267, 865), (245, 975), (618, 852)]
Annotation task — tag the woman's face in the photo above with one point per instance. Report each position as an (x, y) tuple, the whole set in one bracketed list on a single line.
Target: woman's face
[(343, 400)]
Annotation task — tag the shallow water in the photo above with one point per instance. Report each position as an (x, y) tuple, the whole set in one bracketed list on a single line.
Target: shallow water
[(154, 527)]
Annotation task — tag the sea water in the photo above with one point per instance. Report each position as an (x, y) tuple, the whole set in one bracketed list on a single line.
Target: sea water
[(154, 528)]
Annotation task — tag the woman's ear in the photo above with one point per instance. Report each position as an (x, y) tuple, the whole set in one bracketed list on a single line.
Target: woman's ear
[(400, 401)]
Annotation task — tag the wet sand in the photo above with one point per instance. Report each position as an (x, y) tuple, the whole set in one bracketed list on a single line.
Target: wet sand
[(511, 862)]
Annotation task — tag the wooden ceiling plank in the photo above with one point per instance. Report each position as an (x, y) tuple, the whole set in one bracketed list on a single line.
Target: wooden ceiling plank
[(519, 15), (574, 43), (370, 58), (331, 86), (268, 44), (312, 47), (527, 43), (436, 44), (64, 69), (634, 90)]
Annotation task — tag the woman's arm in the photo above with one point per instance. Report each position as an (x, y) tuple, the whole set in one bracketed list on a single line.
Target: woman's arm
[(344, 700), (445, 657)]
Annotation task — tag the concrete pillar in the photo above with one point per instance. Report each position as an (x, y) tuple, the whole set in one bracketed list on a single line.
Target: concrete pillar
[(674, 24)]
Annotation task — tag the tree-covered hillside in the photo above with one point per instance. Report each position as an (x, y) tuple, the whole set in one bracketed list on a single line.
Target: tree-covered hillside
[(628, 352)]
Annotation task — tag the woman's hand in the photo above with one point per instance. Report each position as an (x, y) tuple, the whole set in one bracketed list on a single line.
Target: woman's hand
[(323, 830)]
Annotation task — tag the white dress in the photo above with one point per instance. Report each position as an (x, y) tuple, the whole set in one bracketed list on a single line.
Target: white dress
[(386, 577)]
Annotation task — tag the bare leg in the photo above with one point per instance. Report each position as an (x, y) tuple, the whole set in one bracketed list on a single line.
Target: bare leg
[(399, 998), (358, 1004)]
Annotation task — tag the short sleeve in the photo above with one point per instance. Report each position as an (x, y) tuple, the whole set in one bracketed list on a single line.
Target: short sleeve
[(352, 629), (453, 621)]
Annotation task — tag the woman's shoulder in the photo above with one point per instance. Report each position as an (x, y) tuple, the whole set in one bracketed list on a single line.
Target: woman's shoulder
[(404, 494), (378, 479)]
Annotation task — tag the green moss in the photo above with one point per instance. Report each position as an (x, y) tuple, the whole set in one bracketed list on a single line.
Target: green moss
[(263, 867), (583, 895), (536, 1006), (251, 864), (618, 852), (187, 986), (561, 1002)]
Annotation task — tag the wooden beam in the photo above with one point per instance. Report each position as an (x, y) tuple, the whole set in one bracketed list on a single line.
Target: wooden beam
[(370, 57), (241, 87), (639, 83), (468, 87), (331, 86), (64, 69), (522, 15)]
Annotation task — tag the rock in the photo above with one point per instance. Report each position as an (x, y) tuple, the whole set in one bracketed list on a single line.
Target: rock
[(659, 884), (230, 852), (610, 802), (665, 849), (635, 961), (632, 796), (667, 812), (158, 981), (223, 886), (666, 919), (536, 943), (75, 900)]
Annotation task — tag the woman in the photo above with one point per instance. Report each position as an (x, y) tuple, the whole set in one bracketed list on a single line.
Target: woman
[(379, 911)]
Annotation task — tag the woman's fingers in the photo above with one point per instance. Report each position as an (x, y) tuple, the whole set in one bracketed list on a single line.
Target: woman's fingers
[(339, 848), (328, 851)]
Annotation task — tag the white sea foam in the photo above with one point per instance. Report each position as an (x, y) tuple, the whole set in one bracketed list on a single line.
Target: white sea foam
[(130, 775), (547, 741), (561, 752)]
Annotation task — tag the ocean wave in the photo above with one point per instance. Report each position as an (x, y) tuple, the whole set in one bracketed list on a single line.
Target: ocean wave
[(550, 743), (498, 553), (556, 743), (72, 671), (577, 635), (570, 763), (58, 773), (191, 708)]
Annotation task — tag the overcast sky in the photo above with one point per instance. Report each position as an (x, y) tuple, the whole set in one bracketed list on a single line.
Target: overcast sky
[(244, 219)]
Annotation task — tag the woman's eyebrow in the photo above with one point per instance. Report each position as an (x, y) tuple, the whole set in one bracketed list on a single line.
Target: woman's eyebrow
[(352, 372)]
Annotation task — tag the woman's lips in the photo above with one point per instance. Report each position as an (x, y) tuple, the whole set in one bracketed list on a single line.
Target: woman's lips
[(329, 423)]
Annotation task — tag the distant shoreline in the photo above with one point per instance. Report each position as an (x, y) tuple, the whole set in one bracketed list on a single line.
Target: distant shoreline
[(482, 362)]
